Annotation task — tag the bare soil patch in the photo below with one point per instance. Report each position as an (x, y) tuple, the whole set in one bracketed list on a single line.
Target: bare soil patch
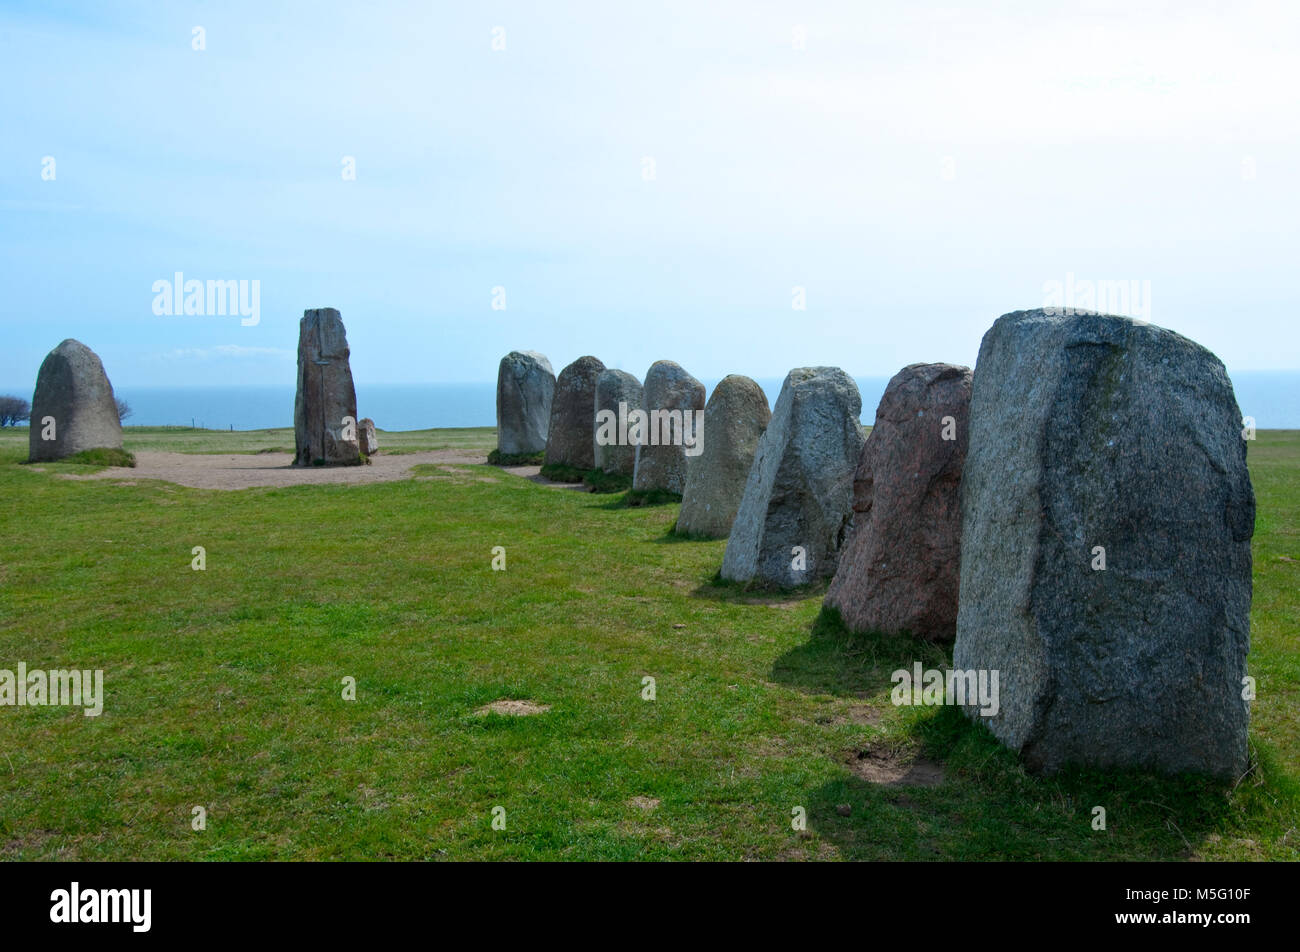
[(250, 470), (892, 768), (511, 707)]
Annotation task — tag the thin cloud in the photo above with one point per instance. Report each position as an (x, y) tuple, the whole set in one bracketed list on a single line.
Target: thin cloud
[(221, 351)]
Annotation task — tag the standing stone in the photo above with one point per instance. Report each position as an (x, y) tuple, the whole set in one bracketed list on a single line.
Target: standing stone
[(899, 571), (612, 388), (571, 438), (366, 438), (525, 389), (671, 398), (325, 409), (1091, 432), (73, 390), (734, 419), (798, 501)]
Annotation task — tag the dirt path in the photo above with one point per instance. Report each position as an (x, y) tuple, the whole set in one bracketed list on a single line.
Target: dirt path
[(248, 470)]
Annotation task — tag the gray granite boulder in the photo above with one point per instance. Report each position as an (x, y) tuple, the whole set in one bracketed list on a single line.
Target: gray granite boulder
[(798, 503), (734, 418), (325, 407), (525, 390), (1099, 437), (672, 399), (571, 436), (73, 404), (620, 394), (899, 571), (366, 438)]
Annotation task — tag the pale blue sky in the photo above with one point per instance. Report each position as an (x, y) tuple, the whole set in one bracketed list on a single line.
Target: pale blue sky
[(918, 169)]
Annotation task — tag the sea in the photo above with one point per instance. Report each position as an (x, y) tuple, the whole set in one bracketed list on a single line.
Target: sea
[(1272, 398)]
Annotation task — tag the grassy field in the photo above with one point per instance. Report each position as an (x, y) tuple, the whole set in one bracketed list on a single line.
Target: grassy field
[(172, 439), (224, 687)]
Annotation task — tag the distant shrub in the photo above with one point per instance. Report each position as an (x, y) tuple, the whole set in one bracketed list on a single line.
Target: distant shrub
[(14, 410)]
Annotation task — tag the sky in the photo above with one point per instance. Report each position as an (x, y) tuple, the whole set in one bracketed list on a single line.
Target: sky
[(639, 181)]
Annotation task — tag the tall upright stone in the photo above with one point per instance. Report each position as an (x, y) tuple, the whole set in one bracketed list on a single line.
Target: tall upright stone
[(1105, 561), (525, 391), (899, 570), (73, 404), (619, 392), (570, 440), (672, 397), (798, 501), (734, 418), (325, 408)]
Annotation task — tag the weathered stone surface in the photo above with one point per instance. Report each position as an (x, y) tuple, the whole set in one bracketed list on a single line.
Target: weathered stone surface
[(525, 391), (571, 438), (326, 401), (899, 570), (1093, 430), (72, 388), (671, 394), (612, 388), (734, 419), (800, 489), (366, 437)]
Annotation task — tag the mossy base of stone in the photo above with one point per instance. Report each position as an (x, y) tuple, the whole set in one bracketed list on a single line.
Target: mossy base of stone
[(359, 461), (104, 456), (563, 473), (497, 458), (599, 481)]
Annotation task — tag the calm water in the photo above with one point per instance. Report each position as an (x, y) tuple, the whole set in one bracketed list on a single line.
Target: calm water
[(1271, 397)]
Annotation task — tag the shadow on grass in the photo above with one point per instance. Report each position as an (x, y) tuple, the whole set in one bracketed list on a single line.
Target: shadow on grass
[(637, 498), (837, 661), (748, 593), (988, 807)]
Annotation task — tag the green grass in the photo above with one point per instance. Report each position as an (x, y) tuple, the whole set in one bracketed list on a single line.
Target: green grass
[(102, 457), (224, 686)]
